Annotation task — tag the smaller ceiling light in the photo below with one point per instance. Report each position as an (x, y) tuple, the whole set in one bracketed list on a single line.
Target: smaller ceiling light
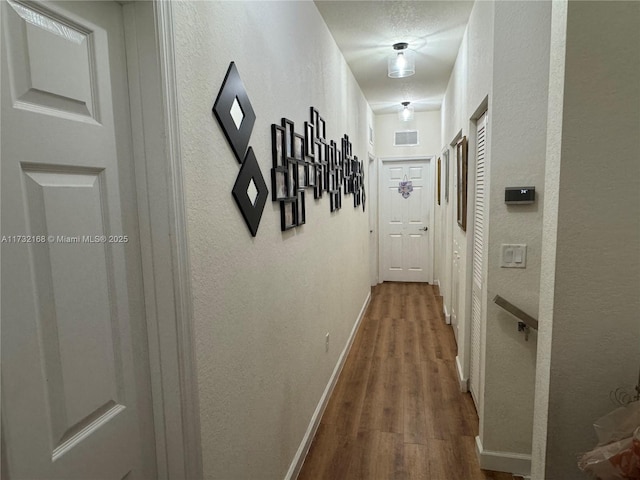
[(402, 62), (406, 112)]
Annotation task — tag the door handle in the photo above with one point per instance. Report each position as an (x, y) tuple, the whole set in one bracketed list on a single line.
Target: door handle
[(423, 229)]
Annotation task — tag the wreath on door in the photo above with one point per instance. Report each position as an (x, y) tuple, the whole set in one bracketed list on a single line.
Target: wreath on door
[(405, 187)]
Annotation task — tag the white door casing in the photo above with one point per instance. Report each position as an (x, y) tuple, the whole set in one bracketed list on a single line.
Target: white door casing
[(372, 206), (75, 383), (405, 239), (455, 286), (163, 234), (477, 287)]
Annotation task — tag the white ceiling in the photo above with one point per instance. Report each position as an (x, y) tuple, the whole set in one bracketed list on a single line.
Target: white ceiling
[(366, 30)]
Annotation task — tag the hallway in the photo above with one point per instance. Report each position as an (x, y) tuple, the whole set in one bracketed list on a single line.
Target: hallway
[(397, 411)]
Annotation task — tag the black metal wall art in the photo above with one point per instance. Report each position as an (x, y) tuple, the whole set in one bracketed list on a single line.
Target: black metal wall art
[(250, 191), (236, 117), (234, 112), (309, 160)]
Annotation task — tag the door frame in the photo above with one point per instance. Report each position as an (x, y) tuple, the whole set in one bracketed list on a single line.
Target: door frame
[(430, 161), (372, 186), (149, 41), (464, 364)]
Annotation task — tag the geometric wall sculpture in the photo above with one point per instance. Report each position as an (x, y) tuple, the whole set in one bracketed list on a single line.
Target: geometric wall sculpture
[(250, 191), (308, 161), (236, 117), (234, 112)]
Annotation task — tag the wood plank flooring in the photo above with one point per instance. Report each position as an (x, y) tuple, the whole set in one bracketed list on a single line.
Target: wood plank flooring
[(397, 411)]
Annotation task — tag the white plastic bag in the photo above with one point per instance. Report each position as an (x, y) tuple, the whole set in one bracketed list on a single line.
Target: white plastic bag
[(619, 424), (617, 456)]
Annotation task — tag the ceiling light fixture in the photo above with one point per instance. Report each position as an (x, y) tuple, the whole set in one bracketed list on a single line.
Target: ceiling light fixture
[(406, 112), (402, 62)]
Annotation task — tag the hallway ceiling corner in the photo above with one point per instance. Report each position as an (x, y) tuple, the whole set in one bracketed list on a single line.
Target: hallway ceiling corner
[(366, 30)]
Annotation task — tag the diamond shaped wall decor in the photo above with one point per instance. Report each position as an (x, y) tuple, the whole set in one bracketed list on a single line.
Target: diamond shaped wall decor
[(234, 112), (250, 178)]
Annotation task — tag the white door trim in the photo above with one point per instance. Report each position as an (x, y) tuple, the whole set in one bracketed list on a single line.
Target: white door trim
[(163, 237), (372, 185), (430, 160)]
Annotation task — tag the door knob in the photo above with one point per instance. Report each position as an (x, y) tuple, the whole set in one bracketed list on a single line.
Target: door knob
[(424, 229)]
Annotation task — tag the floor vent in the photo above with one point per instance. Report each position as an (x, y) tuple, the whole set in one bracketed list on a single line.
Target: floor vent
[(406, 138)]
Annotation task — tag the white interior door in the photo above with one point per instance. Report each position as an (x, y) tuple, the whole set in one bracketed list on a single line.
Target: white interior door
[(372, 207), (75, 393), (478, 260), (455, 286), (406, 254)]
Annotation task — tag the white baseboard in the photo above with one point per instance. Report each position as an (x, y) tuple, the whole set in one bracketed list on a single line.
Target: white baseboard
[(436, 282), (447, 317), (515, 463), (303, 449), (464, 382)]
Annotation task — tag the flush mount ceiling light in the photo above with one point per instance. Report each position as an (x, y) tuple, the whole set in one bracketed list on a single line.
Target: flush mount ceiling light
[(402, 62), (406, 112)]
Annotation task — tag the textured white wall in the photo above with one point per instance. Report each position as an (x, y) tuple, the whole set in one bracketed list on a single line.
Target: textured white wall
[(549, 231), (263, 305), (450, 118), (505, 57), (427, 124), (518, 146), (590, 339), (468, 88)]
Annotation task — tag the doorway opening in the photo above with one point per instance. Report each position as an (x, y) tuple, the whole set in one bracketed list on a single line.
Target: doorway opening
[(406, 197)]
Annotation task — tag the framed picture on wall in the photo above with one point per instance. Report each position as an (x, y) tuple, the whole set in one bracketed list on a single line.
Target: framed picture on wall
[(309, 140), (445, 158), (277, 146), (317, 191), (320, 128), (279, 183), (288, 137), (319, 151), (292, 177), (298, 146), (439, 175), (313, 116), (335, 200), (288, 214), (331, 155), (311, 174), (462, 166), (300, 209), (302, 176)]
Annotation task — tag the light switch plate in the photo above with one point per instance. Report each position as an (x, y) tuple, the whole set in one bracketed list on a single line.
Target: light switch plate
[(513, 256)]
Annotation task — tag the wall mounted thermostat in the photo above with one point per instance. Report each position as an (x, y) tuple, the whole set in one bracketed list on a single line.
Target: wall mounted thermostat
[(519, 195)]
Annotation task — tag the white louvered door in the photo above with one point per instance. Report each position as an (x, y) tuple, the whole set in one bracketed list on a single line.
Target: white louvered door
[(478, 249)]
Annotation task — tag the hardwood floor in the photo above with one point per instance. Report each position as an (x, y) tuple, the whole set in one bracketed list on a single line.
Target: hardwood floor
[(397, 411)]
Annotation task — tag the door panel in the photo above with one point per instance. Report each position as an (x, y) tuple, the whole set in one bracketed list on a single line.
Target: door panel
[(455, 284), (405, 250), (73, 404), (477, 287), (65, 87)]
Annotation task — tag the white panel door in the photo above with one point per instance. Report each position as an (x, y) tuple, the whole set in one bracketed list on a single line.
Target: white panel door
[(478, 260), (75, 392), (405, 251), (455, 286)]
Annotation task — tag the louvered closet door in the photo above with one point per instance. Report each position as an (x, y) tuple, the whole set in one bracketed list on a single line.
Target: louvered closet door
[(478, 248)]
